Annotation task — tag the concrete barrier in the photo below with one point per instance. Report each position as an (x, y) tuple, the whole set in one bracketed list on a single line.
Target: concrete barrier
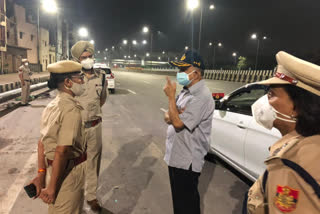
[(17, 84)]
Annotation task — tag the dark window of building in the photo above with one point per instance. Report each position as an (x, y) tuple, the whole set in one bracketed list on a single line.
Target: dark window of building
[(21, 35), (2, 36), (32, 37)]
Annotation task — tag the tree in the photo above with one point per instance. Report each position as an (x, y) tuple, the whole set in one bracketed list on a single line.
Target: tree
[(242, 64)]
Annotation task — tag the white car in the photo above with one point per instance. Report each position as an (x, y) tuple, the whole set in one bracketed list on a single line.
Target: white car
[(236, 137), (109, 76)]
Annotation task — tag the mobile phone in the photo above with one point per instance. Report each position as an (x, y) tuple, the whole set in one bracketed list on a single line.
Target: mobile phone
[(31, 190)]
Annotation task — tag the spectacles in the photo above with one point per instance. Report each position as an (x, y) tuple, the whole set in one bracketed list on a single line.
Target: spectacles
[(81, 76)]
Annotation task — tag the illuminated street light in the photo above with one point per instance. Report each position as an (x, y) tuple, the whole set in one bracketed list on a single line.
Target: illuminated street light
[(192, 4), (106, 49), (147, 54), (134, 42), (176, 58), (186, 48), (125, 57), (254, 36), (83, 32), (210, 43), (105, 58), (264, 38), (112, 47), (220, 44), (92, 42), (135, 55), (234, 54), (159, 58), (163, 52), (129, 57), (144, 42), (50, 6), (211, 7), (98, 52), (125, 42), (145, 29)]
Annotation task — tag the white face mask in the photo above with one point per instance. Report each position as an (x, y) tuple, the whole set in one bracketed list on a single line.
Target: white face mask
[(265, 114), (87, 63), (26, 64), (77, 89)]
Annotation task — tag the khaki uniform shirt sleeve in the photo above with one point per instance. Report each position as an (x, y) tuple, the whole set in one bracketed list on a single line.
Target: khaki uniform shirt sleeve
[(70, 128)]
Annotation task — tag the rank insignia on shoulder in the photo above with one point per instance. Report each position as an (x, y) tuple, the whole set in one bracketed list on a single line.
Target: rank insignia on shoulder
[(286, 198)]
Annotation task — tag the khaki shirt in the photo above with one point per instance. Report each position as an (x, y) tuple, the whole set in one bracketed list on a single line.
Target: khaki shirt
[(90, 99), (61, 125), (25, 71), (286, 190)]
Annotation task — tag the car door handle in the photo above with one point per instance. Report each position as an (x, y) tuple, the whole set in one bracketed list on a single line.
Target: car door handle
[(241, 125)]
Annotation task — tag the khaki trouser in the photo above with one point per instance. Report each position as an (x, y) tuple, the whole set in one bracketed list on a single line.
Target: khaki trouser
[(25, 92), (70, 197), (93, 138)]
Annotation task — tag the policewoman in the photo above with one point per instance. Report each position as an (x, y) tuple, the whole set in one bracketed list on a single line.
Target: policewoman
[(290, 183), (91, 100), (61, 150)]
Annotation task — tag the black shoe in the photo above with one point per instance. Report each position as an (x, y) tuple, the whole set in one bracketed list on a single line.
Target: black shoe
[(27, 104)]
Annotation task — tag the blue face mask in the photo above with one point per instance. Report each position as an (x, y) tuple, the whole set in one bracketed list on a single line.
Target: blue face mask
[(183, 78)]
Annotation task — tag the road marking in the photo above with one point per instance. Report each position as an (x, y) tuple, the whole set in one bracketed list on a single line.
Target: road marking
[(147, 82), (131, 91), (162, 109), (17, 186)]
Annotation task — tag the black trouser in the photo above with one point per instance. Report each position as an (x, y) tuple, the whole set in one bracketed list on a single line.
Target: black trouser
[(184, 189)]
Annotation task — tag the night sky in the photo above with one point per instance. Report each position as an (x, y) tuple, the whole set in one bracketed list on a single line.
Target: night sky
[(290, 25)]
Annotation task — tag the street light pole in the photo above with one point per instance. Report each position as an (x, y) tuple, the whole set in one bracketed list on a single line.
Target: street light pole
[(258, 46), (200, 30), (38, 33)]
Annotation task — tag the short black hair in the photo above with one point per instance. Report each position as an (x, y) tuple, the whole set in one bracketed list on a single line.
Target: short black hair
[(307, 105), (56, 79)]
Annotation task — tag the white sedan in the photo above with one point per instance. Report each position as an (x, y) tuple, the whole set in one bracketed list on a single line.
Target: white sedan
[(236, 137)]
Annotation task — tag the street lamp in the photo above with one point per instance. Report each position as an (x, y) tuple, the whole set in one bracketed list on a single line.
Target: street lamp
[(125, 41), (214, 52), (83, 32), (144, 42), (92, 42), (125, 57), (145, 29), (192, 4), (163, 52), (98, 52), (105, 58), (134, 42), (135, 55), (50, 6), (147, 54), (159, 58), (234, 54), (186, 48), (255, 37), (211, 7), (106, 49), (129, 57), (112, 47)]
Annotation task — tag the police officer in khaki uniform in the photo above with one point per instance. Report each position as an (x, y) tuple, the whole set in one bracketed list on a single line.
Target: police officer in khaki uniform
[(290, 183), (91, 100), (24, 75), (61, 148)]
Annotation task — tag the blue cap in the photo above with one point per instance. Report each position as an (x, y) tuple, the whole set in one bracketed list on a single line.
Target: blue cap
[(189, 58)]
